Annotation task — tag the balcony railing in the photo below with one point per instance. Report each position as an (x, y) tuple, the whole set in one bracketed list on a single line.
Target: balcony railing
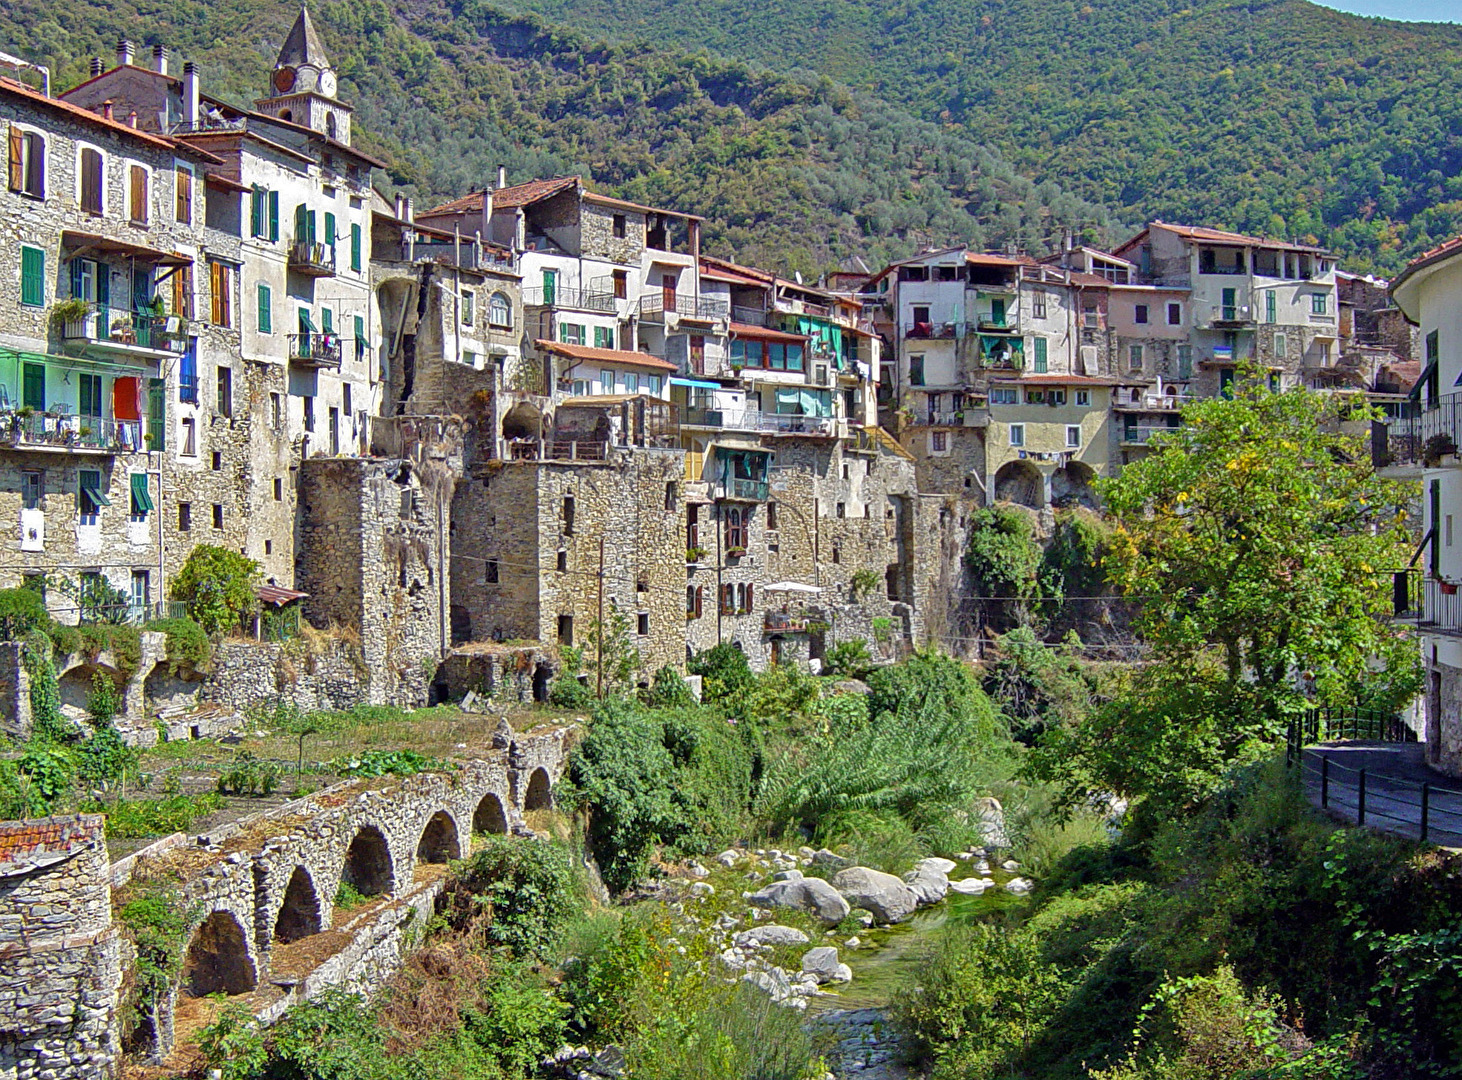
[(654, 306), (312, 258), (779, 424), (728, 419), (65, 431), (1141, 434), (750, 316), (108, 327), (315, 350), (1441, 606), (747, 490), (1424, 435), (931, 331), (565, 296), (558, 450)]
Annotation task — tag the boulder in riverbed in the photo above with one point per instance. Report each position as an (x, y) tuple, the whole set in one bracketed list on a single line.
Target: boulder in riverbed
[(812, 895), (969, 886), (770, 935), (888, 898), (929, 883), (822, 964)]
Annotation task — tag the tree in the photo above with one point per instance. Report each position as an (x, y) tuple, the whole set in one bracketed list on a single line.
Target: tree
[(1257, 543), (218, 586)]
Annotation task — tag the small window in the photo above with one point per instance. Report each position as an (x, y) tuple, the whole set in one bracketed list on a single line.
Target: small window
[(837, 551), (619, 226), (642, 623), (27, 163), (217, 461), (32, 489), (1090, 317), (220, 276), (1017, 434), (355, 247), (278, 489), (1318, 302), (490, 572), (1175, 314), (268, 547), (1281, 346), (190, 437), (1140, 314), (308, 402), (565, 629), (621, 284), (842, 510), (561, 561), (672, 496), (1004, 395), (1038, 304), (938, 442), (276, 408), (771, 515), (185, 517), (568, 515), (90, 497), (1449, 530), (141, 501), (500, 312), (1134, 357), (469, 308), (1083, 397), (218, 515), (1073, 436), (1035, 397), (225, 378)]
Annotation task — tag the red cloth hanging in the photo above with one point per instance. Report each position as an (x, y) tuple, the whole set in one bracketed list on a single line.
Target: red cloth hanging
[(125, 398)]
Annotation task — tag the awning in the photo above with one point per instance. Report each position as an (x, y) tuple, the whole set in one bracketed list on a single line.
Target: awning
[(141, 499), (698, 384), (84, 244), (791, 586), (274, 594), (309, 323), (92, 488)]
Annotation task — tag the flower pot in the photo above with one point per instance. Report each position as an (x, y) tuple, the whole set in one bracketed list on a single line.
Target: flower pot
[(1448, 588)]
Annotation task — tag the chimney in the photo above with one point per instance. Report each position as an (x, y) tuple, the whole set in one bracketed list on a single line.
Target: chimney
[(96, 66), (190, 94), (160, 59), (502, 177), (410, 214), (400, 207), (107, 109), (132, 118), (485, 230), (125, 53)]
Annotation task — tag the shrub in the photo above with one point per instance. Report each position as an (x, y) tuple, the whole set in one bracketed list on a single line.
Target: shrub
[(141, 818), (123, 642), (522, 1022), (669, 689), (47, 723), (49, 767), (347, 896), (247, 775), (218, 586), (724, 672), (232, 1044), (387, 763), (22, 611), (159, 927), (850, 659), (529, 889), (19, 798), (715, 763), (330, 1037), (104, 757), (188, 646), (104, 701)]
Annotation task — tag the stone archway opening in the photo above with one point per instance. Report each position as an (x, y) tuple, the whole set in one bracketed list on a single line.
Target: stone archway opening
[(541, 677), (77, 686), (368, 867), (217, 961), (1020, 482), (163, 689), (299, 915), (523, 421), (539, 795), (1074, 484), (489, 818), (439, 842)]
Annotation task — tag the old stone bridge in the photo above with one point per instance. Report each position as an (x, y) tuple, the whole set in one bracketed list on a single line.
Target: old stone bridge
[(260, 904)]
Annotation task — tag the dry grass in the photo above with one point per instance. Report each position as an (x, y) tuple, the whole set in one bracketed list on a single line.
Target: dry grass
[(428, 995)]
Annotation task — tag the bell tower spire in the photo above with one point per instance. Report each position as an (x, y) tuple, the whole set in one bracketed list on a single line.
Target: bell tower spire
[(302, 87)]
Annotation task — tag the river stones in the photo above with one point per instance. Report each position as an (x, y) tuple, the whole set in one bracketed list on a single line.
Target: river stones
[(1018, 886), (728, 858), (888, 898), (944, 866), (928, 881), (824, 857), (822, 963), (812, 895), (969, 886), (773, 934), (787, 875)]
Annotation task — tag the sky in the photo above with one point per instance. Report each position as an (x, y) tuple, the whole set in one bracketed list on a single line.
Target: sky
[(1411, 10)]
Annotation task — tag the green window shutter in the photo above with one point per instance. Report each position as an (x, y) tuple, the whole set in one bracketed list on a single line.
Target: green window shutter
[(141, 498), (33, 387), (157, 417), (329, 228), (1270, 306), (310, 226), (266, 313), (355, 247), (358, 322), (274, 215), (301, 215), (1040, 362), (256, 211), (327, 321), (32, 276)]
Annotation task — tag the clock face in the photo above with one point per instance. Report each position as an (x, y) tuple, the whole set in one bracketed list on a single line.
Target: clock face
[(284, 80), (327, 82)]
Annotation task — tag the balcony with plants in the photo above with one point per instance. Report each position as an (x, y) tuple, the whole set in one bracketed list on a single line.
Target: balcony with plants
[(149, 333)]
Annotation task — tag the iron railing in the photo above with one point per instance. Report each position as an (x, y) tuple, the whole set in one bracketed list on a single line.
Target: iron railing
[(118, 326), (71, 432), (729, 419), (1141, 434), (780, 424), (566, 296), (1418, 436), (319, 350), (312, 257), (751, 490), (691, 307)]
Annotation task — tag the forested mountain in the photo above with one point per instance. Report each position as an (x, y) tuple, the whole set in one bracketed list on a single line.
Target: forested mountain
[(1276, 116), (790, 171)]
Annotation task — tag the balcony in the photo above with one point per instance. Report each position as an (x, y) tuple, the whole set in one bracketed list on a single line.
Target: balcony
[(558, 450), (1441, 607), (725, 419), (1141, 434), (315, 350), (311, 258), (567, 297), (1156, 403), (824, 427), (974, 416), (743, 490), (782, 622), (68, 433), (654, 307), (134, 334), (928, 331), (749, 316), (1403, 445)]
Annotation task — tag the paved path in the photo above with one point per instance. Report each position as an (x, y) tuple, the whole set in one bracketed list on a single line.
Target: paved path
[(1394, 775)]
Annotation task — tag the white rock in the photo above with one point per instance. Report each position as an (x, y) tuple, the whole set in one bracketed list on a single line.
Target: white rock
[(696, 870), (1018, 886), (812, 895), (774, 934), (853, 942), (969, 886), (787, 875), (824, 857), (929, 884), (821, 963), (982, 866), (842, 975), (806, 852), (728, 858), (888, 898), (1010, 866), (944, 866), (703, 888)]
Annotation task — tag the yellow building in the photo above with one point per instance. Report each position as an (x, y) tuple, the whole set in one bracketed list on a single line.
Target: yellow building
[(1049, 438)]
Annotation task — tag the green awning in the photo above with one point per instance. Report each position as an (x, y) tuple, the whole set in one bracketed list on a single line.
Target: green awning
[(93, 490), (307, 322), (141, 500), (1426, 373)]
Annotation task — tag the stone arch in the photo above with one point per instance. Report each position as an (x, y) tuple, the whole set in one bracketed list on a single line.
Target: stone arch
[(164, 689), (439, 841), (75, 683), (523, 421), (1020, 482), (489, 816), (539, 795), (218, 958), (300, 914), (368, 867), (1073, 485)]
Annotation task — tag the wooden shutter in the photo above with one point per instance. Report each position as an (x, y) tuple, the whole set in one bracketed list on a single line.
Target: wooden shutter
[(139, 193), (257, 200), (700, 594), (185, 195), (215, 289), (355, 246), (750, 602), (266, 310), (17, 159), (91, 181), (226, 301), (32, 276), (157, 413)]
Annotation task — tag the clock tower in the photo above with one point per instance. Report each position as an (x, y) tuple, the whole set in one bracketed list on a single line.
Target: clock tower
[(302, 86)]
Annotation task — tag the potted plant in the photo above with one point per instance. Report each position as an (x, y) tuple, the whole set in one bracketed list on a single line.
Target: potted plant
[(69, 311), (122, 331), (735, 552), (695, 554), (1437, 447)]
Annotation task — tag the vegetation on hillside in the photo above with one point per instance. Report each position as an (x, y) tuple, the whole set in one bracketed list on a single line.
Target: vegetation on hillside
[(1281, 117)]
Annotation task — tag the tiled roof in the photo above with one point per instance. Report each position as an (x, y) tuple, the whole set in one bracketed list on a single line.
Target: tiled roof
[(506, 198), (274, 594), (1057, 380), (761, 333), (20, 90), (607, 356), (977, 258), (1219, 236)]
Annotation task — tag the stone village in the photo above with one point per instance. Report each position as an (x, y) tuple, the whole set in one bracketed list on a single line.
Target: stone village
[(506, 423)]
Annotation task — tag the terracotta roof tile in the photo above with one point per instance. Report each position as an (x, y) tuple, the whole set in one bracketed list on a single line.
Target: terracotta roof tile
[(506, 198), (607, 356)]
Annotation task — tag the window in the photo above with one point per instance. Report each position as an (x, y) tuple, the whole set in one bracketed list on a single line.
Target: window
[(89, 496), (1017, 434), (570, 333), (32, 277), (1175, 314), (1317, 303), (1281, 346), (499, 311), (631, 383), (182, 280), (357, 323), (265, 309), (842, 510), (568, 515), (308, 402), (141, 497), (921, 315), (490, 572), (264, 214), (771, 515), (1083, 397), (561, 561), (1271, 307), (619, 226), (1139, 314), (565, 629), (1040, 355), (1134, 357), (33, 387), (603, 337), (225, 377), (89, 394), (1090, 317), (278, 489), (157, 417), (1274, 382), (276, 408), (334, 421), (27, 162), (183, 195), (1004, 395), (32, 488), (1055, 397), (139, 195), (218, 515), (694, 598), (330, 234), (916, 370), (1449, 530), (185, 517), (642, 623), (141, 590), (190, 437), (672, 499), (735, 537), (345, 396), (90, 181), (938, 442), (355, 246), (1038, 304), (621, 284), (220, 277), (1035, 397), (1073, 436), (469, 308)]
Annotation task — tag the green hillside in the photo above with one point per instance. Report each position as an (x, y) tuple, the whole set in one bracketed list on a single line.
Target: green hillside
[(1268, 115), (792, 171)]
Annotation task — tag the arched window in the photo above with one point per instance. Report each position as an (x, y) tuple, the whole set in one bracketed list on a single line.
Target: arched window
[(330, 125), (499, 311)]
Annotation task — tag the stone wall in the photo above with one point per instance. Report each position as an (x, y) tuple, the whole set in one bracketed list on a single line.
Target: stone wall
[(60, 958)]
